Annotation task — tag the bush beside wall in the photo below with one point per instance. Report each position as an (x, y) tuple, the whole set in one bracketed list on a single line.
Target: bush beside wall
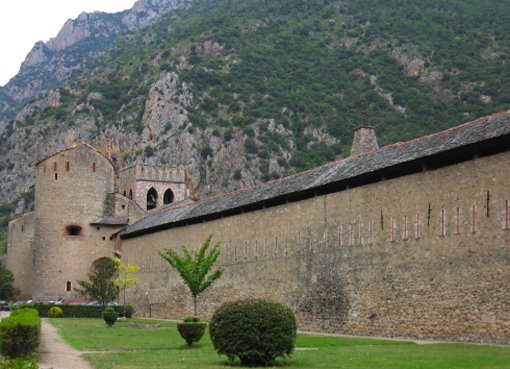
[(82, 311), (20, 333)]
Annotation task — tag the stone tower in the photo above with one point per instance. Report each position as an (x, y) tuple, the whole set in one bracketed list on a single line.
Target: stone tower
[(71, 188), (152, 186)]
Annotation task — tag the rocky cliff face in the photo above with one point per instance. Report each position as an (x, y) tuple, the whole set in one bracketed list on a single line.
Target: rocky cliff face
[(48, 64)]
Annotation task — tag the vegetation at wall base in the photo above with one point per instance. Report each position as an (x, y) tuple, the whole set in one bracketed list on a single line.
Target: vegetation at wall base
[(20, 333), (55, 312), (110, 316), (19, 363), (191, 329), (100, 286), (7, 289), (124, 281), (163, 348), (82, 311), (255, 331)]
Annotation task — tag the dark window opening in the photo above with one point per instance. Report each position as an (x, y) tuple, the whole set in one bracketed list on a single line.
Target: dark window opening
[(104, 238), (168, 198), (68, 166), (56, 176), (98, 228), (73, 230), (152, 198), (68, 286), (22, 228), (124, 193), (130, 194), (123, 206), (94, 167)]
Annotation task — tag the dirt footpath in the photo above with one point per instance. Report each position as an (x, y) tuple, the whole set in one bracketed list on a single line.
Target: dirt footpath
[(54, 353)]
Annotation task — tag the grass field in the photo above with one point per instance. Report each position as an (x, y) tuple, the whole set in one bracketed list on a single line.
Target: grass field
[(122, 347)]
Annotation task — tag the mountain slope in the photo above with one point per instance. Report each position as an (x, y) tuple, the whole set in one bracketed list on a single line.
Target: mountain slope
[(81, 39), (239, 92)]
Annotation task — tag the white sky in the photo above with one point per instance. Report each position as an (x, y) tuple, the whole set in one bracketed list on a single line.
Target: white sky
[(24, 22)]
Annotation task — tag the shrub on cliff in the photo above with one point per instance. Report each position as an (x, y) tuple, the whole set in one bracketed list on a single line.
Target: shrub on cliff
[(255, 331)]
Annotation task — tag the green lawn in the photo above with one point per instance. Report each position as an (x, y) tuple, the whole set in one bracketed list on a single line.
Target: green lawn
[(123, 347)]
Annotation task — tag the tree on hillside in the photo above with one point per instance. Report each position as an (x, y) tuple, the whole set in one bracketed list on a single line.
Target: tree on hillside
[(194, 267), (100, 286), (124, 281), (7, 290)]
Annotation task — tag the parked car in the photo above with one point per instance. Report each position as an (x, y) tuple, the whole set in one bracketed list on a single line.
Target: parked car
[(4, 305), (97, 303), (76, 302), (17, 304)]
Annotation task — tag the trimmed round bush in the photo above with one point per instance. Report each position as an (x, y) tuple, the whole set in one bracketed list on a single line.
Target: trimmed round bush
[(191, 329), (255, 331), (55, 312), (110, 316)]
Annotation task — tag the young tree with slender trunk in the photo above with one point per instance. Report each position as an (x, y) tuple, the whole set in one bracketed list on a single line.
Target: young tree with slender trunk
[(124, 281), (194, 267)]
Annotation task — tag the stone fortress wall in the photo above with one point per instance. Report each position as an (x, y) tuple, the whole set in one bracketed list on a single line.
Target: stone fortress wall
[(424, 255), (417, 248), (20, 258)]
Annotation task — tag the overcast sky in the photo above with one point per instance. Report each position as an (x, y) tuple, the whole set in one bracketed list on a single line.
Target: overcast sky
[(24, 22)]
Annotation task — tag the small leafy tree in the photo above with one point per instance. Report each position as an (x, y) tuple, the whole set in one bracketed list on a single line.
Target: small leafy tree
[(194, 267), (7, 289), (100, 285), (124, 281)]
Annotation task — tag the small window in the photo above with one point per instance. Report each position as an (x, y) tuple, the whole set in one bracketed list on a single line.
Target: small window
[(94, 167), (98, 228), (104, 238), (130, 194), (124, 193), (56, 176), (123, 206), (168, 197), (152, 198), (68, 166), (73, 230), (55, 167), (69, 286)]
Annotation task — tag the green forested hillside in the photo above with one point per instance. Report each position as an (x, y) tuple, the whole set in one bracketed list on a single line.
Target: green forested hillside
[(287, 79), (295, 61)]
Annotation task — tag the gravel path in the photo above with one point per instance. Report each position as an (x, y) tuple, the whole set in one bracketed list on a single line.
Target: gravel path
[(54, 353)]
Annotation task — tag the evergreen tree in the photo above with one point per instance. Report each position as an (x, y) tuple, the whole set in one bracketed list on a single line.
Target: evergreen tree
[(100, 285), (7, 290)]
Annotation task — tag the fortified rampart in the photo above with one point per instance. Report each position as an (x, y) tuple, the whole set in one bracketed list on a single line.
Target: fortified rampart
[(412, 240), (20, 258)]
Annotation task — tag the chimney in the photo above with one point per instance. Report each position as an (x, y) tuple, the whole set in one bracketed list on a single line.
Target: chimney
[(364, 140)]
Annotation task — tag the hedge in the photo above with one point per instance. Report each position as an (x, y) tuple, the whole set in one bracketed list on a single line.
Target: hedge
[(82, 311), (20, 333)]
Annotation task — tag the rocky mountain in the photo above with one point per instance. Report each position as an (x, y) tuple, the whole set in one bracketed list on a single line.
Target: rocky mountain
[(241, 92), (87, 37)]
